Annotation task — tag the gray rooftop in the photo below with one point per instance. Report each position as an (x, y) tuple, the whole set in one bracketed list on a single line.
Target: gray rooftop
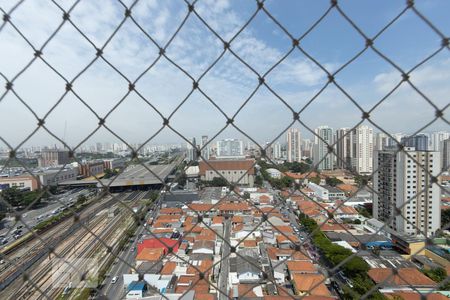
[(133, 175), (247, 264)]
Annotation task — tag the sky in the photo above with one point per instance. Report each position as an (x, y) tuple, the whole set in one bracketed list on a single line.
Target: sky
[(291, 82)]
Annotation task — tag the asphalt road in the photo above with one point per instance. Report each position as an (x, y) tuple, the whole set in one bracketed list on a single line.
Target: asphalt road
[(117, 290), (224, 265), (122, 266), (30, 217)]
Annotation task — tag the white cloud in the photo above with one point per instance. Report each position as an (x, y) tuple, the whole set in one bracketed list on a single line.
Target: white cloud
[(229, 83)]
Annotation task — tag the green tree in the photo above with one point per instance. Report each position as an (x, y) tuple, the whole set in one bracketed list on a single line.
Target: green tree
[(34, 197), (110, 173), (297, 167), (438, 275), (219, 181), (182, 179), (13, 196), (362, 180), (315, 180), (445, 217), (333, 181), (258, 180), (287, 181), (81, 199)]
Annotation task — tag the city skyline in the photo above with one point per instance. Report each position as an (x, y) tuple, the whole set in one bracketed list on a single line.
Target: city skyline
[(229, 84), (263, 143)]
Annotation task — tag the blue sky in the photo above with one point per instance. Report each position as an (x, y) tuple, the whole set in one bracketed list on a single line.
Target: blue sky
[(261, 44)]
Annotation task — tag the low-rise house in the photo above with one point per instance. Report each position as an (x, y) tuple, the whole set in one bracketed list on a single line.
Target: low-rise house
[(403, 278), (334, 193), (319, 191), (194, 209), (203, 247), (310, 284), (302, 267), (279, 273), (163, 243), (136, 290), (203, 266), (287, 242), (231, 208), (346, 212), (276, 254), (248, 269), (308, 192), (168, 268), (274, 173), (170, 211)]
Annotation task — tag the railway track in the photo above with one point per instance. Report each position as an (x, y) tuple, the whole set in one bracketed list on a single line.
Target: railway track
[(28, 253), (44, 274), (77, 249), (88, 252)]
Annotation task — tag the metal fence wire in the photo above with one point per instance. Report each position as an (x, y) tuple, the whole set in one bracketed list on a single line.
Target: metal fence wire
[(32, 284)]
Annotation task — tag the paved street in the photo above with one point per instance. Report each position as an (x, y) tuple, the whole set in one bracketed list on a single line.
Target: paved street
[(225, 265), (117, 290)]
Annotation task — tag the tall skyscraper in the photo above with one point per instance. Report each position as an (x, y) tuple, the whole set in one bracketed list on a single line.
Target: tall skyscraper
[(99, 147), (381, 141), (205, 147), (418, 141), (276, 150), (230, 147), (436, 139), (362, 149), (307, 148), (294, 151), (322, 139), (396, 138), (344, 148), (400, 179), (445, 154), (191, 154)]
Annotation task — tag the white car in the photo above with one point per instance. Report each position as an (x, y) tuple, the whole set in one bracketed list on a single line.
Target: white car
[(114, 279)]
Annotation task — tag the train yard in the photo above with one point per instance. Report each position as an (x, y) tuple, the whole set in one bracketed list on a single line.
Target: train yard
[(55, 262)]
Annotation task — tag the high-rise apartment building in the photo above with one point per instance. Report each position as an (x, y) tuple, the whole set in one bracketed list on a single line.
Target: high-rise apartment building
[(307, 148), (294, 151), (436, 138), (405, 198), (276, 150), (322, 139), (381, 141), (445, 155), (230, 147), (362, 149), (395, 139), (418, 141), (99, 147), (53, 157), (205, 147), (191, 154), (344, 148)]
